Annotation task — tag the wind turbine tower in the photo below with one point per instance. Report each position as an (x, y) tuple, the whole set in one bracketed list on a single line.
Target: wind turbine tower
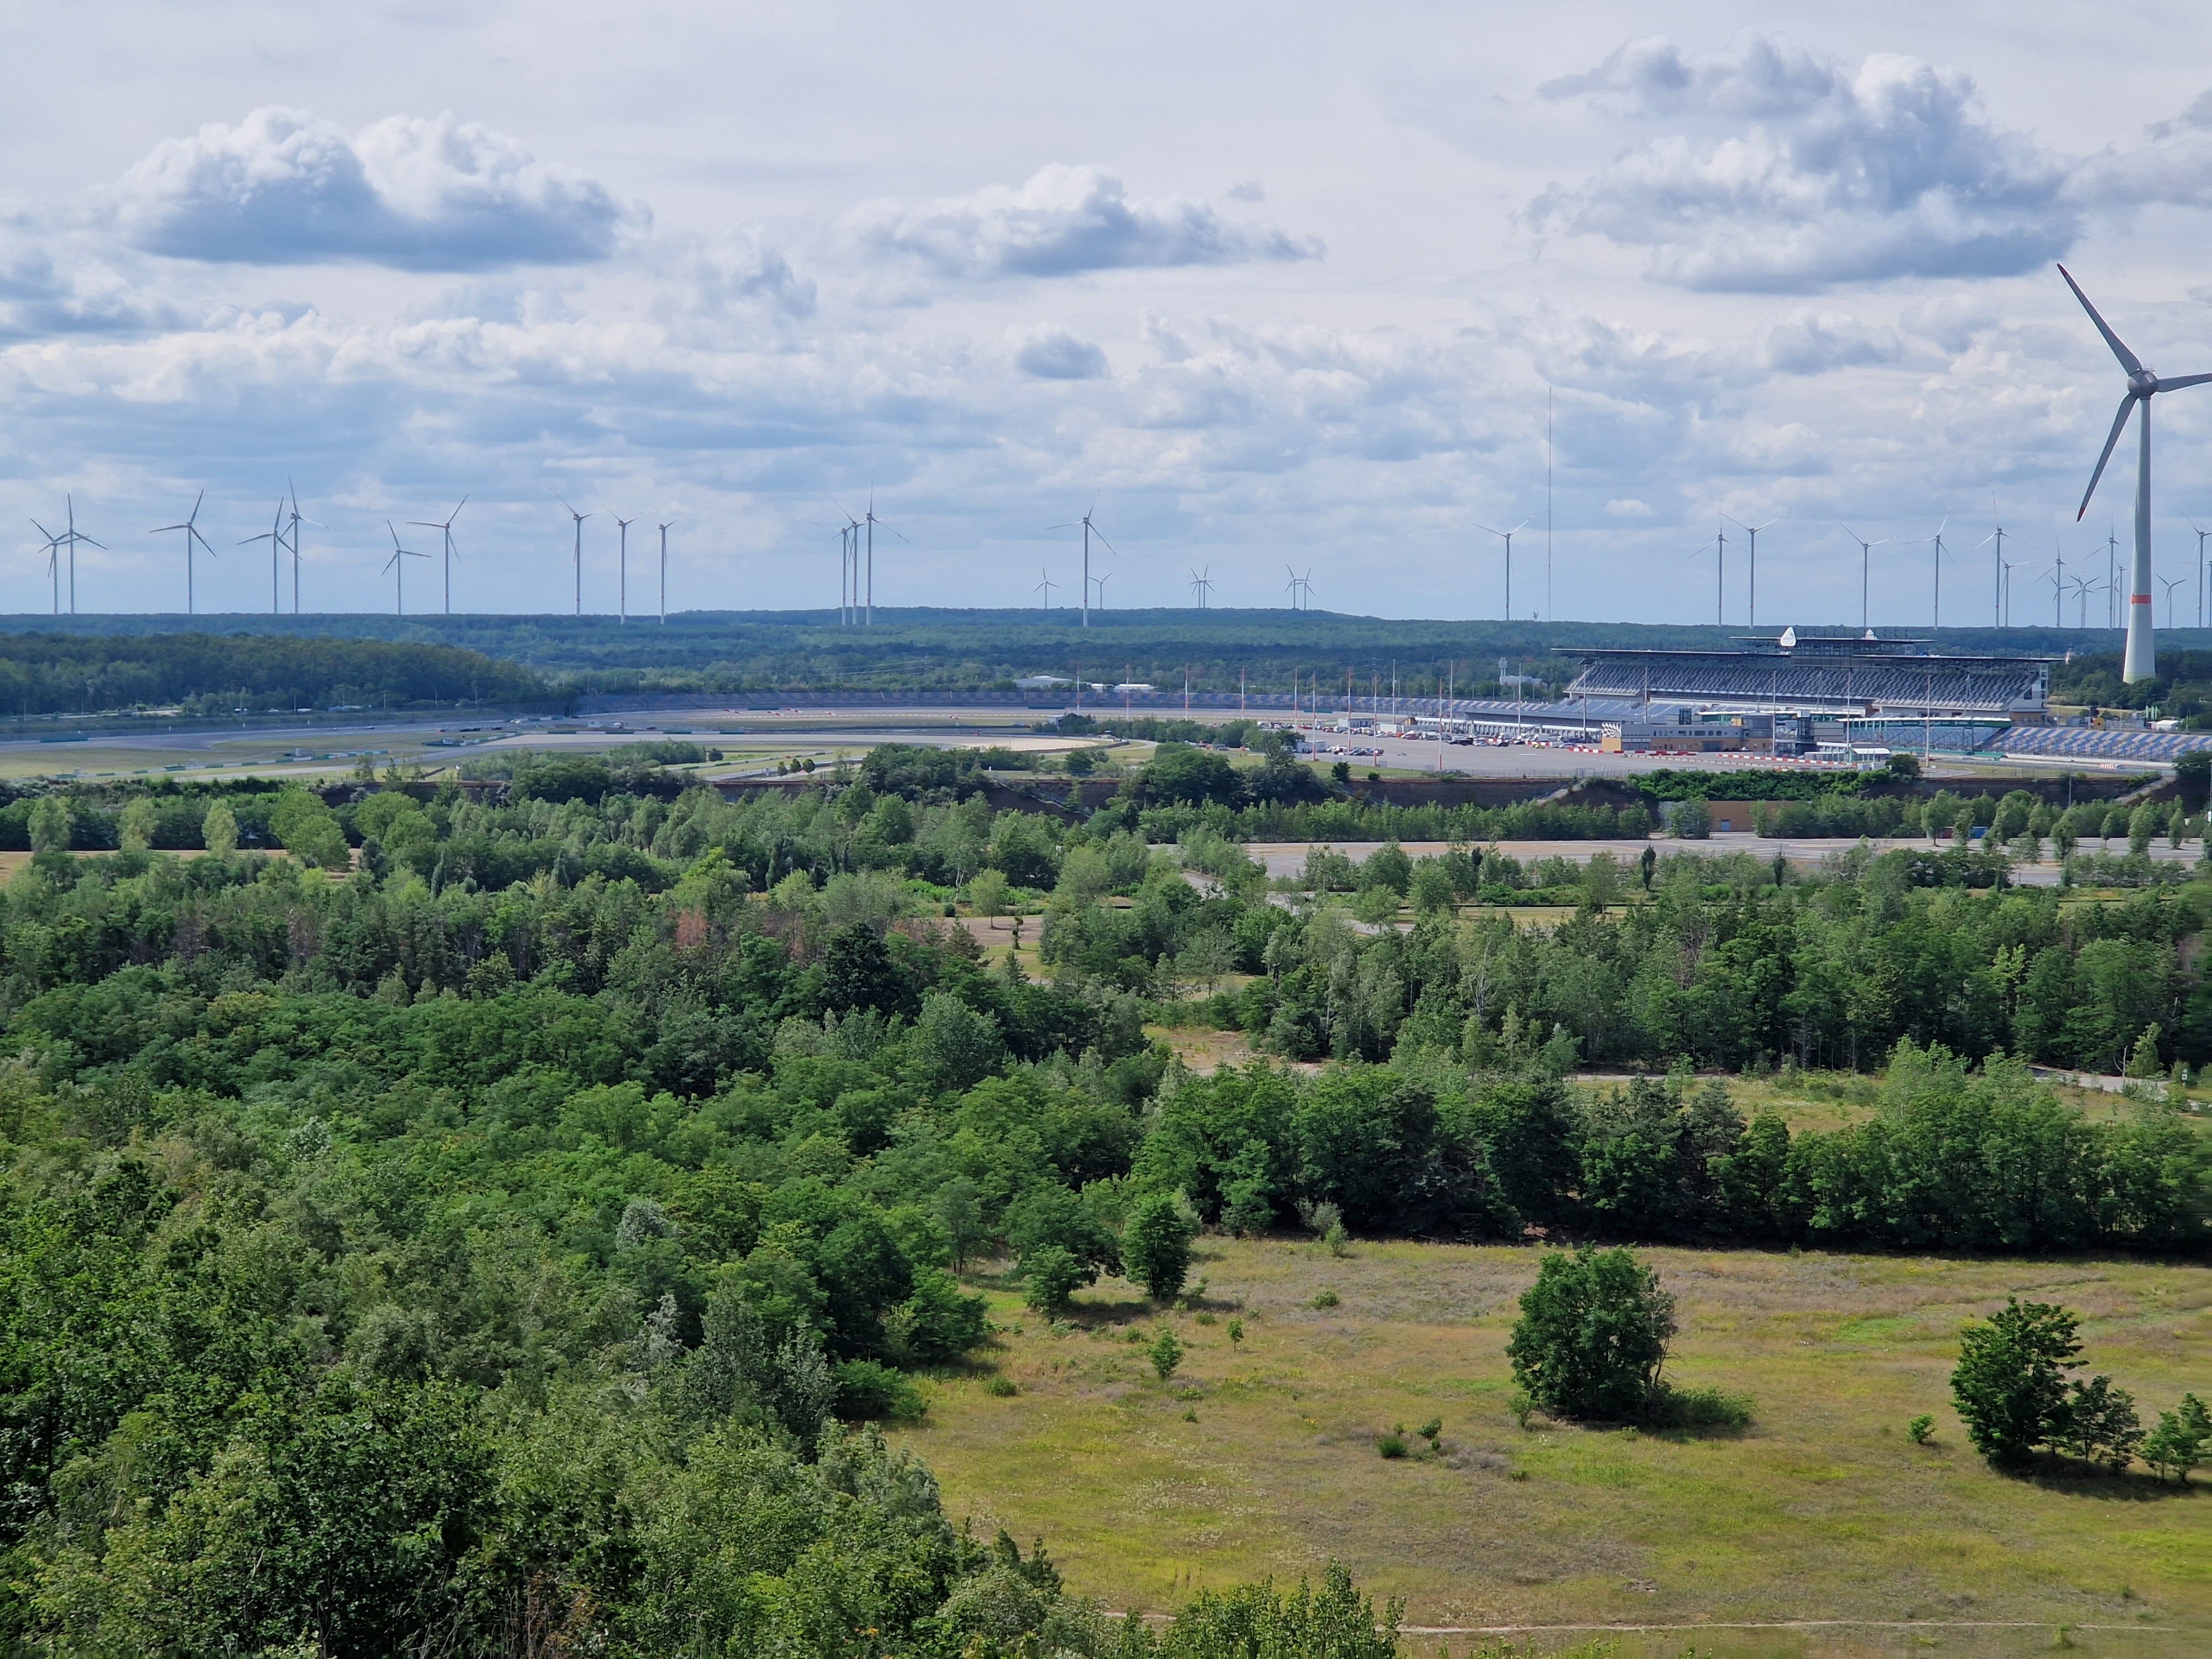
[(664, 574), (446, 526), (274, 537), (397, 565), (578, 518), (622, 567), (1089, 530), (1751, 617), (1866, 570), (1509, 535), (190, 527), (2139, 660)]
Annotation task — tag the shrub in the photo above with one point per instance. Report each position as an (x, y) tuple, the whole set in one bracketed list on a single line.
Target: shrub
[(1155, 1246), (868, 1390), (2011, 1391), (1391, 1445), (1323, 1299), (1592, 1336), (1696, 1408), (1338, 1242), (1000, 1386), (2181, 1440), (1919, 1429), (1235, 1332), (1165, 1353), (1051, 1274)]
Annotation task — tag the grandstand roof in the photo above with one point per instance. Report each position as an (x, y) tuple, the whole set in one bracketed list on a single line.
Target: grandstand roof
[(1820, 672)]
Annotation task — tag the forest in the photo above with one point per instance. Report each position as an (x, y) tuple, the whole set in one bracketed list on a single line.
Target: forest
[(206, 673), (493, 1224), (920, 649)]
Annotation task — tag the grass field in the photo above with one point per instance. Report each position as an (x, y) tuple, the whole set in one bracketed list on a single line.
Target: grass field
[(1262, 1459)]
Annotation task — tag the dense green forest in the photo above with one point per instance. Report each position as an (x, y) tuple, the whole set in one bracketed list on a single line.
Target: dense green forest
[(923, 649), (85, 672), (491, 1228)]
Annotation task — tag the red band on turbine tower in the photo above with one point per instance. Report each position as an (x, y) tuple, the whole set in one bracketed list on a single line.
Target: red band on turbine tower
[(2138, 598)]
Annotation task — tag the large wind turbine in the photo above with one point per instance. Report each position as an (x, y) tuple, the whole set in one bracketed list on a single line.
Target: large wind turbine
[(663, 573), (578, 518), (1751, 618), (1939, 552), (1509, 535), (1998, 535), (1719, 545), (53, 561), (622, 580), (1200, 585), (446, 526), (398, 566), (1866, 569), (274, 537), (190, 527), (1089, 530), (2139, 660)]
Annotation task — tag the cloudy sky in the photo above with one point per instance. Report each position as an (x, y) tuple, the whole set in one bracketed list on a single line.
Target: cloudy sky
[(1280, 285)]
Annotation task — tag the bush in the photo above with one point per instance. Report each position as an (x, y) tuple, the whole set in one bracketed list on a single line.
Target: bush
[(1391, 1445), (1165, 1353), (2181, 1440), (867, 1390), (1592, 1336), (2011, 1391), (1051, 1275), (1697, 1408), (1919, 1429), (1155, 1246), (1000, 1386)]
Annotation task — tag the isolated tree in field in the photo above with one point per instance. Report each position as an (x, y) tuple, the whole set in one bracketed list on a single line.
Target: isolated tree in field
[(1155, 1246), (2012, 1393), (1592, 1335)]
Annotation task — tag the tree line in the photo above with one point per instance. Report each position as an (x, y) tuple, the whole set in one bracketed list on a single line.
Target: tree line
[(201, 673)]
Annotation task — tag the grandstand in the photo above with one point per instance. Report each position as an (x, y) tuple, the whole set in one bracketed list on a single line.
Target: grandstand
[(1831, 675)]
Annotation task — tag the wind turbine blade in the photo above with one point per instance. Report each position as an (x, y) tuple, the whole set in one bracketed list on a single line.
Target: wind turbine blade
[(2119, 421), (2181, 380), (425, 524), (2128, 360), (88, 542)]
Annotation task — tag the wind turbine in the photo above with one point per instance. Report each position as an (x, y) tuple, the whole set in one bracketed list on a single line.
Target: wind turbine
[(2171, 582), (72, 536), (1998, 535), (190, 527), (398, 567), (1099, 583), (274, 537), (53, 561), (1200, 585), (1939, 552), (1866, 569), (1046, 585), (1089, 530), (2139, 660), (1751, 619), (2201, 535), (578, 518), (869, 520), (292, 521), (1509, 535), (622, 567), (2004, 590), (446, 525), (2058, 581), (663, 573), (1719, 544)]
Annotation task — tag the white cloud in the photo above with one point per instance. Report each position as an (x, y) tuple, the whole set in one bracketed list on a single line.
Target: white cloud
[(1052, 353), (1816, 341), (282, 187), (1062, 220), (1794, 175), (1628, 508)]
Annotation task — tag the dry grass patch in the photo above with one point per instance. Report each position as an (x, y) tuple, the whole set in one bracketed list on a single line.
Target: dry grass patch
[(1822, 1510)]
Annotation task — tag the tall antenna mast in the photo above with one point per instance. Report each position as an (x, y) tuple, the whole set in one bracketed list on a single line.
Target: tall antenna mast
[(622, 581), (1549, 458)]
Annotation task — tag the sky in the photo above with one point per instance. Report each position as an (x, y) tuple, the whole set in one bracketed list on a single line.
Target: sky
[(1268, 289)]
